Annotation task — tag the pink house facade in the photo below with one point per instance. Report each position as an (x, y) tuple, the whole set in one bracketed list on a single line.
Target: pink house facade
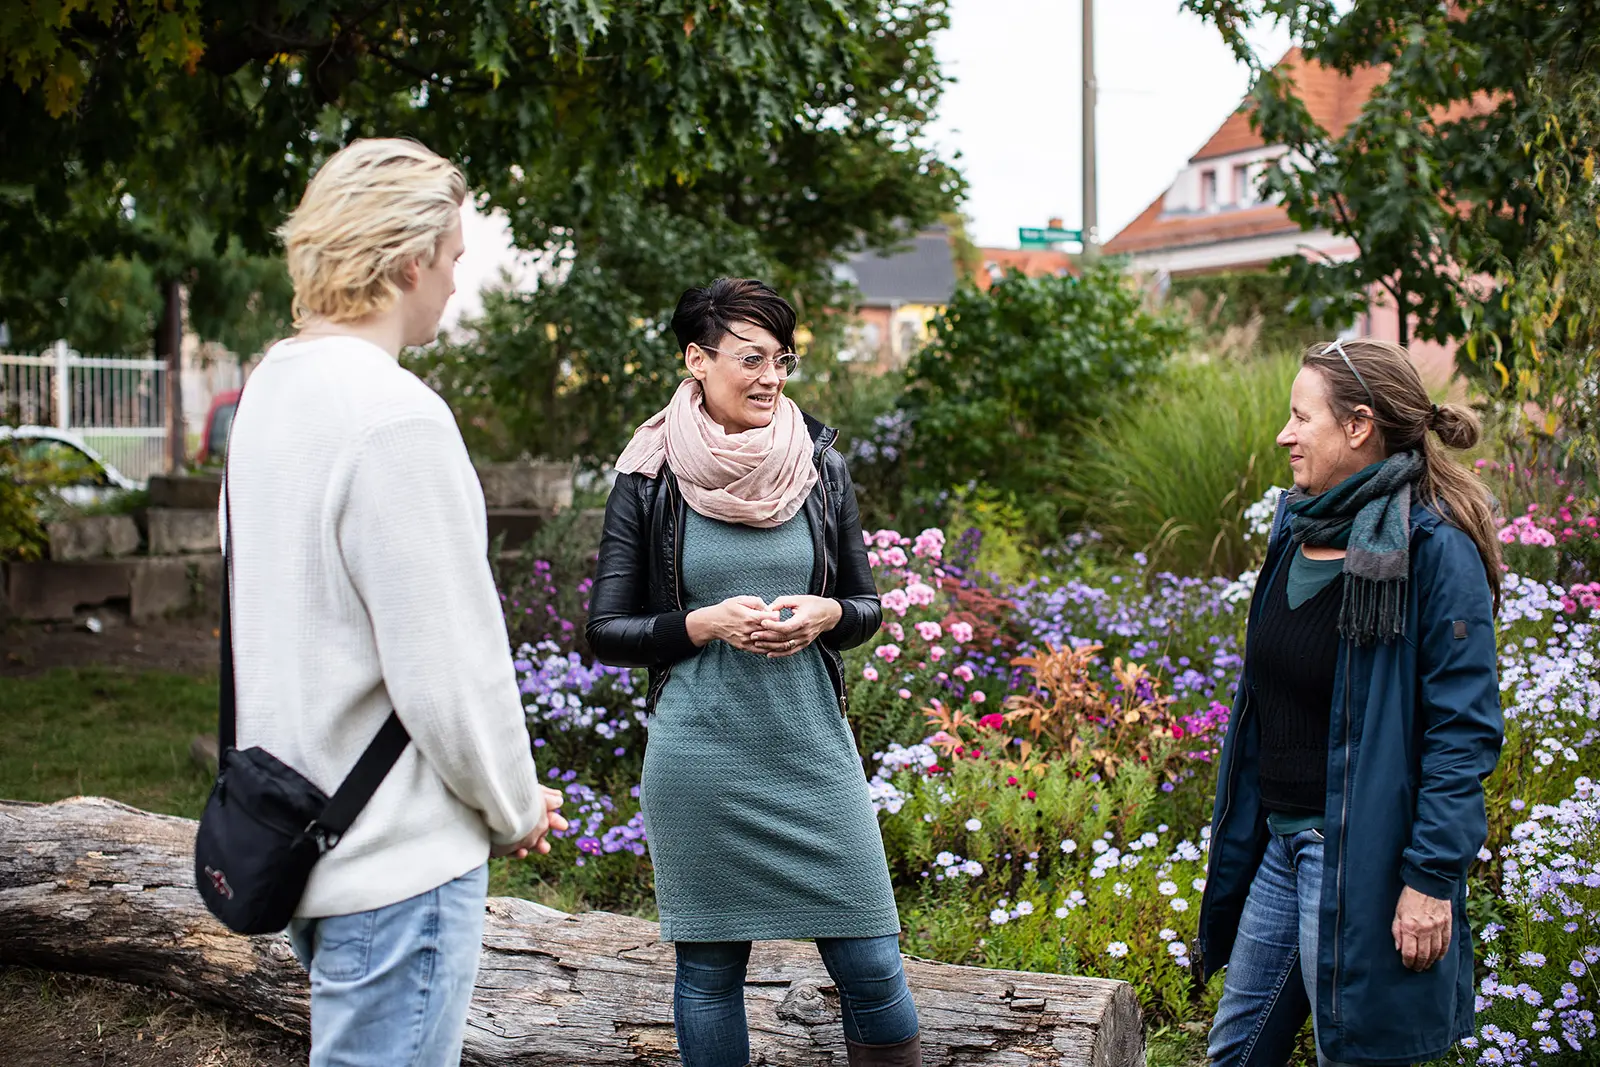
[(1209, 220)]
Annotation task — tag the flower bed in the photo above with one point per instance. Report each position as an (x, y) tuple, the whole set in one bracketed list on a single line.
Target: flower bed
[(1041, 758)]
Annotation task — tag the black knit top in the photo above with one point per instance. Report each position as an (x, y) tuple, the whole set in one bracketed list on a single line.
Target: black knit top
[(1296, 652)]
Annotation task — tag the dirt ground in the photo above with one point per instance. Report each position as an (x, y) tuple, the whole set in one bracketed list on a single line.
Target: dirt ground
[(181, 646), (57, 1020)]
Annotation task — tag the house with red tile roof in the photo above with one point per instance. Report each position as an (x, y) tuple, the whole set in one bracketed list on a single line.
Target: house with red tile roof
[(1211, 220)]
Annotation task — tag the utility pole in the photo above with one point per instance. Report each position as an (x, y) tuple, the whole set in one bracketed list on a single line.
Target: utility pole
[(1090, 213)]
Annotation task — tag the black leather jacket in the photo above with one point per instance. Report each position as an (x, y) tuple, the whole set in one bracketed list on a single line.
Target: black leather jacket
[(636, 612)]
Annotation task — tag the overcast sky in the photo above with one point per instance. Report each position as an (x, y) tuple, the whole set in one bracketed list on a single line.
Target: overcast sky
[(1014, 115)]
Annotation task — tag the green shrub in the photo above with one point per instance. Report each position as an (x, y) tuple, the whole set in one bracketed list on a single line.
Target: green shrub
[(28, 480), (1012, 375), (861, 404), (1172, 475), (1060, 873)]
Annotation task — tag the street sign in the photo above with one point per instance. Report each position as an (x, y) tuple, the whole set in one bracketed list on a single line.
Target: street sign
[(1032, 237)]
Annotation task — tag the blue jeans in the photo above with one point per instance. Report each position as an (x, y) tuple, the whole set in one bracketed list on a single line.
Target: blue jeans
[(1266, 993), (390, 987), (708, 999)]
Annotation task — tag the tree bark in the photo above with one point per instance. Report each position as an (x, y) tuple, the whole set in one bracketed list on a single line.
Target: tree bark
[(96, 887)]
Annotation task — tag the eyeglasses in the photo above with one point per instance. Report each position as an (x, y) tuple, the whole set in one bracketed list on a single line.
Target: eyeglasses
[(755, 362)]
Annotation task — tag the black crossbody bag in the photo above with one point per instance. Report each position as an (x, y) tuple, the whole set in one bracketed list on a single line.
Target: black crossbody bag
[(265, 825)]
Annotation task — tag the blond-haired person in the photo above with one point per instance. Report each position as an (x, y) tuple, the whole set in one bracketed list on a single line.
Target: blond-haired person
[(361, 583)]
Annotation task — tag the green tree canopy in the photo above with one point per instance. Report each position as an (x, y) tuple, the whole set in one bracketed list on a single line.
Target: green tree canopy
[(1551, 289), (644, 147), (1429, 181), (127, 125)]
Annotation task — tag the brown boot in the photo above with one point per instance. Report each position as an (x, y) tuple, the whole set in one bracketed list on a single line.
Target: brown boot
[(907, 1053)]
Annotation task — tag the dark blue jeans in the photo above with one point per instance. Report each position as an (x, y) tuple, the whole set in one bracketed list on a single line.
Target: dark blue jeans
[(708, 1000), (1266, 992)]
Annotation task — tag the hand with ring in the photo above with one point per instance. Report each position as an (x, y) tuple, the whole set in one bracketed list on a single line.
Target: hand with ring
[(809, 617), (734, 621)]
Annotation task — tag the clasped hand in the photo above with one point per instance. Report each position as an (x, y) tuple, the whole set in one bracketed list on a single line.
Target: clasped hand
[(751, 625)]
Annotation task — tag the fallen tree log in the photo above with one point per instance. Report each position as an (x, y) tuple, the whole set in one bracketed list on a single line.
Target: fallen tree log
[(96, 887)]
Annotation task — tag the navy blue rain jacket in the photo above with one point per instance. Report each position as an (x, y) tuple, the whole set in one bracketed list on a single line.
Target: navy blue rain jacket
[(1415, 729)]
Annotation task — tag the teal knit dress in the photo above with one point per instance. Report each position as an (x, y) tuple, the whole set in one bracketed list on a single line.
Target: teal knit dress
[(755, 805)]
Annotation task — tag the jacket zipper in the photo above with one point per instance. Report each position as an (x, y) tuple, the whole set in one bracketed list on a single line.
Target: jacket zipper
[(1233, 766), (1344, 815), (822, 475), (1216, 845), (677, 576), (836, 669)]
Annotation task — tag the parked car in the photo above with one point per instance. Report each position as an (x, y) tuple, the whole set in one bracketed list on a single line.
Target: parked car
[(95, 479), (219, 420)]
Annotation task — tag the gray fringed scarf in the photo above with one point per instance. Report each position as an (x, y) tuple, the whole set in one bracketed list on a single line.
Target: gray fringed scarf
[(1369, 515)]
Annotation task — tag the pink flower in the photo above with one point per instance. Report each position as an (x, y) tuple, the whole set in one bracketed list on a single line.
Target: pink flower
[(896, 631), (964, 672), (905, 694), (992, 721), (870, 673), (873, 559), (929, 631), (897, 601), (961, 632), (887, 653), (920, 594), (1508, 534), (936, 653), (930, 543), (895, 556), (886, 538), (979, 696)]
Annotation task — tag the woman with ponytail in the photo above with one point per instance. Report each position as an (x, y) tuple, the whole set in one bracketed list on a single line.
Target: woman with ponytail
[(1349, 796)]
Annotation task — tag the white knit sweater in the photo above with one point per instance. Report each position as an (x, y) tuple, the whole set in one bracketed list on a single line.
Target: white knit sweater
[(361, 582)]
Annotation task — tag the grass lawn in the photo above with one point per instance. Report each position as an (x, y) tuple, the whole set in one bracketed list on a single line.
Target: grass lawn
[(97, 732)]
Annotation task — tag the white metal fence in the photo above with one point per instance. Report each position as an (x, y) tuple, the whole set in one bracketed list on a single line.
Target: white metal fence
[(118, 406)]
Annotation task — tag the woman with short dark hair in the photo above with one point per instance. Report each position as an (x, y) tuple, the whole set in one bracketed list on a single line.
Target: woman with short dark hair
[(732, 566), (1350, 799)]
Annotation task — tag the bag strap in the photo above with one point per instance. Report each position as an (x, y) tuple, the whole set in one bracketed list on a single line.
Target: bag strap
[(380, 754), (227, 697)]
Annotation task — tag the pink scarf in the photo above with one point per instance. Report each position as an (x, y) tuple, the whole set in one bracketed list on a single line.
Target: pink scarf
[(758, 478)]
